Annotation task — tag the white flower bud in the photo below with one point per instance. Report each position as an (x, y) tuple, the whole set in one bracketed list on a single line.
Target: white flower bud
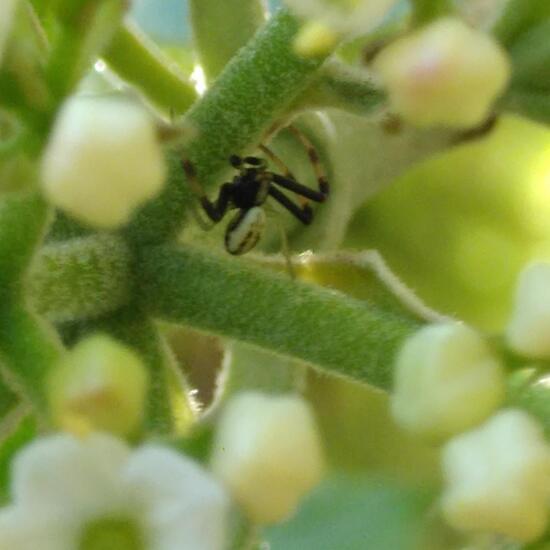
[(528, 330), (7, 11), (498, 478), (102, 161), (101, 385), (446, 381), (268, 452), (315, 39), (351, 17), (444, 74)]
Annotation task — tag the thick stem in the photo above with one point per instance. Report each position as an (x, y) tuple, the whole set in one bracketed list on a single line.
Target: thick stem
[(81, 278), (232, 298), (247, 99)]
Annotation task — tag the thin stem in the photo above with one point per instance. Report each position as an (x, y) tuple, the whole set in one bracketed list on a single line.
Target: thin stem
[(220, 29), (232, 298), (29, 350), (138, 61), (343, 87)]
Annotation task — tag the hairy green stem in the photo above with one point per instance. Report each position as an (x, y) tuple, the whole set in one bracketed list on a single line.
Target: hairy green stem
[(232, 298), (23, 221), (29, 349), (81, 278), (341, 86), (247, 99), (138, 61), (220, 29)]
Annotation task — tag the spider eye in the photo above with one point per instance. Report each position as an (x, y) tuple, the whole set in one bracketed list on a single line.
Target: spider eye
[(235, 161)]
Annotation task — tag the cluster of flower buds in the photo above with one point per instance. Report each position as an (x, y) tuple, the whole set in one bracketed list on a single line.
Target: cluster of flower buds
[(86, 488), (448, 386)]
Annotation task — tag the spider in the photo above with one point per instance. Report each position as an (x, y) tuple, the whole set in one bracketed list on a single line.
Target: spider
[(249, 190)]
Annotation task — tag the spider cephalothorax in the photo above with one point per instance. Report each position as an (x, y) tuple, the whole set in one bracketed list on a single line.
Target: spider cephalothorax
[(251, 187)]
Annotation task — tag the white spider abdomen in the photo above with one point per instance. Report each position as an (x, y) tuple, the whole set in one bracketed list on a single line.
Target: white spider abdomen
[(244, 230)]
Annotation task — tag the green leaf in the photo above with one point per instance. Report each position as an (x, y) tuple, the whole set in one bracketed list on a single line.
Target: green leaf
[(354, 513), (425, 11), (24, 431), (518, 17), (530, 56), (528, 103)]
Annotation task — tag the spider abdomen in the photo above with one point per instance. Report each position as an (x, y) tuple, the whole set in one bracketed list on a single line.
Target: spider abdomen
[(244, 230)]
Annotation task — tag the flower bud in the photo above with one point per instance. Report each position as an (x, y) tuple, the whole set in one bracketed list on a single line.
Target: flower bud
[(444, 74), (498, 478), (102, 160), (100, 385), (528, 330), (268, 452), (315, 39), (350, 17), (446, 381)]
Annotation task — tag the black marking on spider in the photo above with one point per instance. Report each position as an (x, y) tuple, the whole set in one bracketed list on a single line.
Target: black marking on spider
[(250, 189)]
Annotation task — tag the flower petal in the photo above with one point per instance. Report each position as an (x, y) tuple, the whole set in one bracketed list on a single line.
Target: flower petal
[(182, 505), (24, 531), (81, 477)]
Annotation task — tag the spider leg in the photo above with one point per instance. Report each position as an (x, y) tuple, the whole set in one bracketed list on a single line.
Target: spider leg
[(303, 213), (298, 188), (217, 209), (277, 160), (314, 159)]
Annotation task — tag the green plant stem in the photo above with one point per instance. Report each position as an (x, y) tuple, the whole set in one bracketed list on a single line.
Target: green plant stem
[(85, 31), (138, 61), (28, 350), (232, 298), (220, 29), (247, 99), (23, 221), (81, 278), (341, 86)]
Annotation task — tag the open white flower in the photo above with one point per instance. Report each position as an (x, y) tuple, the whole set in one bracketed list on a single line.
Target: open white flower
[(71, 493), (498, 478), (7, 11), (268, 452), (102, 160)]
